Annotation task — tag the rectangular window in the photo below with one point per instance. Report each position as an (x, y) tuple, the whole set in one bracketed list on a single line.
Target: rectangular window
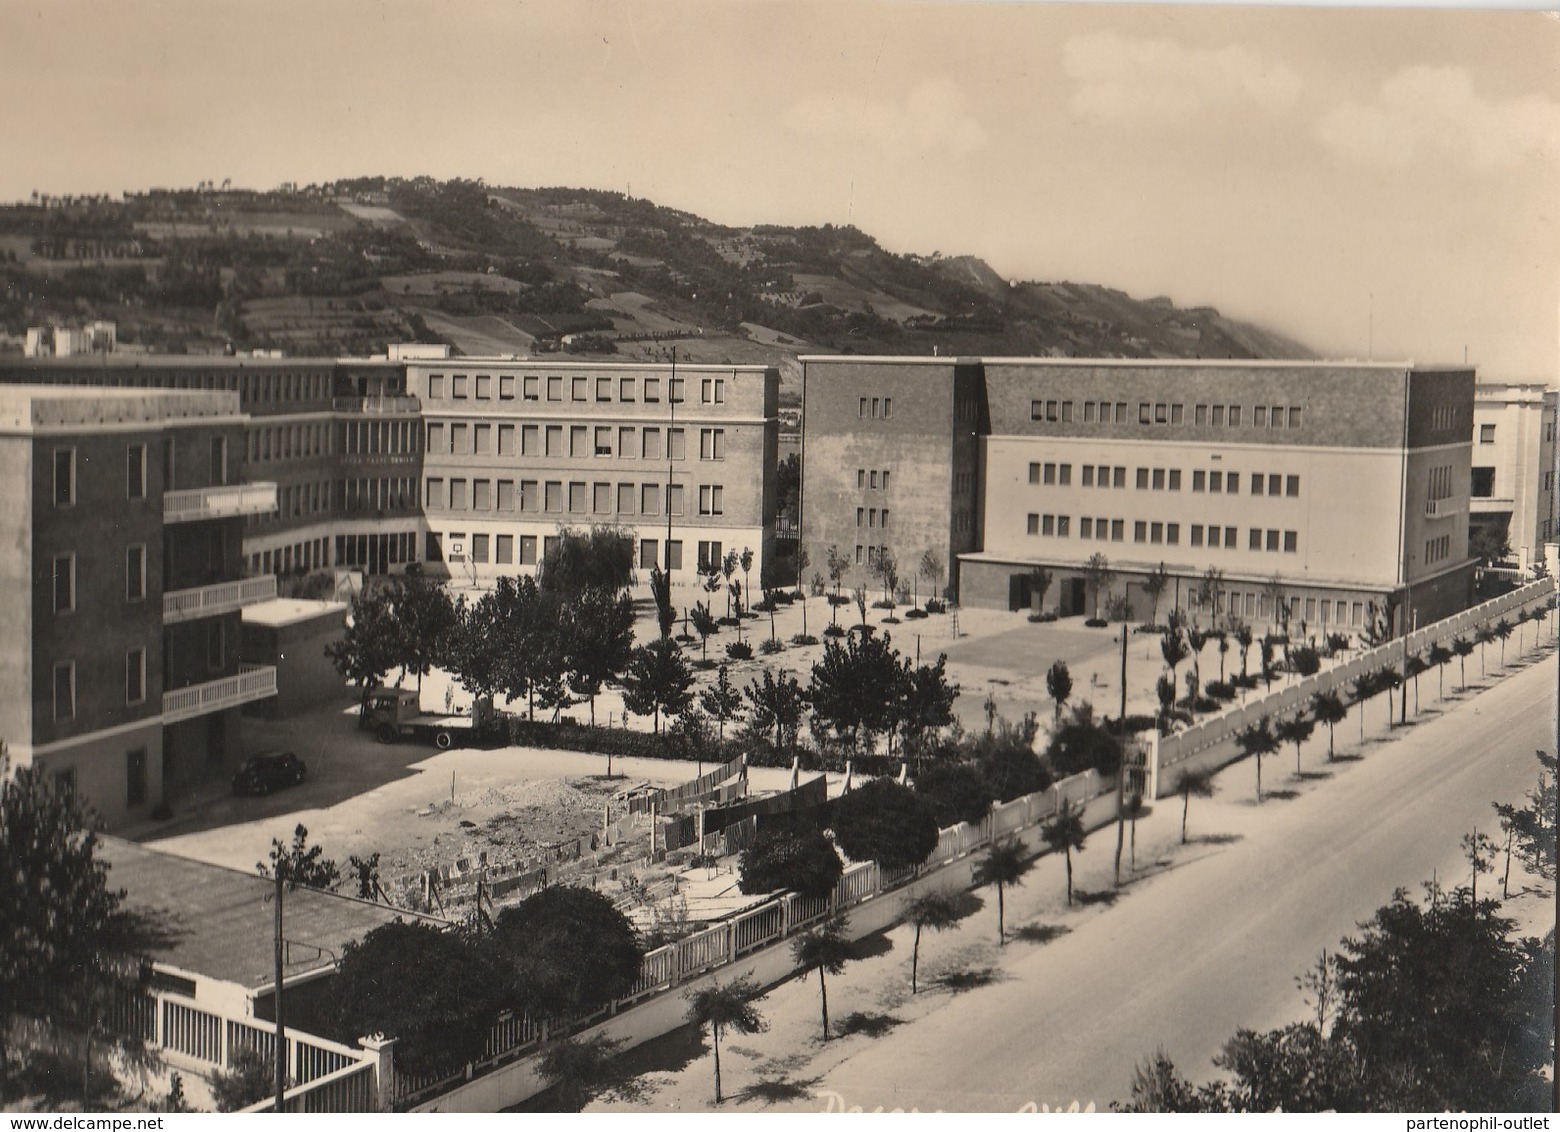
[(459, 435), (482, 439), (603, 389), (652, 390), (1121, 412), (1048, 524), (65, 690), (1161, 413), (1486, 435), (1294, 417), (1213, 537), (1255, 540), (1049, 474), (1259, 417), (1142, 479), (504, 549), (1101, 529), (435, 387), (1063, 525), (65, 476), (674, 499), (1275, 485), (577, 389), (506, 440), (601, 498), (1033, 524), (1085, 527), (484, 387), (1173, 534), (1272, 540), (1144, 411), (458, 498), (1118, 529), (650, 499), (1197, 534), (626, 444), (603, 441), (433, 548), (553, 496), (506, 389), (675, 449), (1177, 414), (1140, 531), (1120, 478), (626, 498), (1175, 479), (1159, 479), (1088, 412), (1067, 415), (64, 583), (1276, 420), (1034, 473), (674, 554), (1292, 485), (1291, 542), (675, 390), (1229, 537), (135, 573), (555, 388), (1200, 416), (712, 444), (648, 548), (888, 406), (577, 497), (578, 439), (529, 500), (531, 388), (1064, 475), (625, 389), (1088, 475), (1156, 532), (1234, 416), (1216, 481), (482, 495), (1256, 483), (506, 496), (710, 499), (458, 386), (1218, 415), (479, 548), (861, 517), (135, 472)]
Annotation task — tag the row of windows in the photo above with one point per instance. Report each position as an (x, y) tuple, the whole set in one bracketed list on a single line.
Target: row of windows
[(1443, 417), (1440, 483), (1163, 479), (576, 497), (578, 387), (283, 442), (63, 489), (1165, 413), (870, 406), (869, 555), (1438, 549), (284, 388), (627, 442), (871, 517), (64, 587), (135, 673), (522, 550), (871, 479), (1252, 604), (1156, 533)]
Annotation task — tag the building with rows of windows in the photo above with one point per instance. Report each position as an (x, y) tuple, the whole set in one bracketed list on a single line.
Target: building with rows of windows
[(1514, 466), (1327, 486), (119, 651), (517, 450)]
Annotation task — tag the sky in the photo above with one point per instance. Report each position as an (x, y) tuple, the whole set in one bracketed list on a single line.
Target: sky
[(1372, 182)]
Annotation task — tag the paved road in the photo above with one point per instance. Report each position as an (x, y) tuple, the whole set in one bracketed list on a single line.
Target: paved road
[(1192, 954)]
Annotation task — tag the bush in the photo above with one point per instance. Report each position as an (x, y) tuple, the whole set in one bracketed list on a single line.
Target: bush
[(802, 861), (885, 822), (1220, 689), (251, 1079), (804, 639), (739, 650), (957, 792), (882, 603), (1118, 608), (1095, 622), (933, 605), (833, 631), (728, 621), (538, 947), (1081, 743), (913, 614), (770, 647), (840, 599)]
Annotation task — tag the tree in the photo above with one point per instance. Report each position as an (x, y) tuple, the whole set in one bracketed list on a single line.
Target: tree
[(1058, 682), (1295, 729), (549, 973), (576, 1068), (745, 560), (1484, 634), (1277, 597), (856, 688), (1502, 631), (1039, 583), (1099, 577), (661, 593), (885, 822), (1256, 740), (886, 570), (1328, 707), (435, 991), (1480, 851), (1172, 646), (1081, 743), (598, 637), (62, 930), (1209, 587), (723, 701), (778, 702), (826, 950), (838, 566), (1243, 637), (658, 680), (935, 910), (600, 559), (1154, 585), (802, 861), (1489, 542), (1440, 656), (926, 703), (1532, 827), (1463, 647), (933, 570), (956, 791), (1190, 783), (705, 625), (728, 569), (1164, 688), (1064, 833), (425, 619), (1005, 863), (300, 864), (370, 647), (1305, 660), (724, 1007)]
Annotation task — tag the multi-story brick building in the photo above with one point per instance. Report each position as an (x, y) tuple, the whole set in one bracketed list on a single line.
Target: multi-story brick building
[(515, 450), (119, 653), (1513, 487), (1336, 484)]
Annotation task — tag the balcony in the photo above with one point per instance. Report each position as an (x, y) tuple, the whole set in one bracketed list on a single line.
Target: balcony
[(218, 502), (253, 682), (377, 406), (1444, 508), (224, 597)]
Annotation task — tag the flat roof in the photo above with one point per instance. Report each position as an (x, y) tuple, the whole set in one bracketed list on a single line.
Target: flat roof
[(218, 923), (548, 361), (282, 611), (28, 408)]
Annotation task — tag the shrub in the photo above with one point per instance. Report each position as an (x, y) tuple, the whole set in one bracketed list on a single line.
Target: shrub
[(933, 605), (728, 621), (1096, 623), (1118, 608), (834, 631), (885, 822), (538, 946), (804, 639), (1081, 743), (957, 792), (1220, 689), (802, 861), (770, 647), (251, 1079), (913, 614), (739, 650), (882, 603), (840, 599)]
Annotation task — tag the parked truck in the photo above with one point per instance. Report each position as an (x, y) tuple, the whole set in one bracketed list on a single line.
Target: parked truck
[(394, 713)]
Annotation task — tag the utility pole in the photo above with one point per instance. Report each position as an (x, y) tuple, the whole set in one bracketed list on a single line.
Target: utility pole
[(671, 401), (1121, 769), (281, 1033)]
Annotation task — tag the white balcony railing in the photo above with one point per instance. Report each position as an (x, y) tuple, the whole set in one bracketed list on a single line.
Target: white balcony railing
[(218, 502), (1443, 508), (388, 405), (253, 682), (223, 597)]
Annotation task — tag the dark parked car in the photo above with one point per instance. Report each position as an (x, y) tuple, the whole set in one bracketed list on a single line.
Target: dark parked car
[(265, 773)]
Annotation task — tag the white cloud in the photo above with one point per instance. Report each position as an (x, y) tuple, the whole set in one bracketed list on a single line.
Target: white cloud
[(1159, 80), (1435, 112), (932, 118)]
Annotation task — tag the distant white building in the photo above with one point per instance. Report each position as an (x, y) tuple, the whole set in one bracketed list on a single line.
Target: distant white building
[(40, 342), (1513, 466)]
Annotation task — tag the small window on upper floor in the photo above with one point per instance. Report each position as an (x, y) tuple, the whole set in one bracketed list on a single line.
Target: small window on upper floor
[(1487, 434)]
